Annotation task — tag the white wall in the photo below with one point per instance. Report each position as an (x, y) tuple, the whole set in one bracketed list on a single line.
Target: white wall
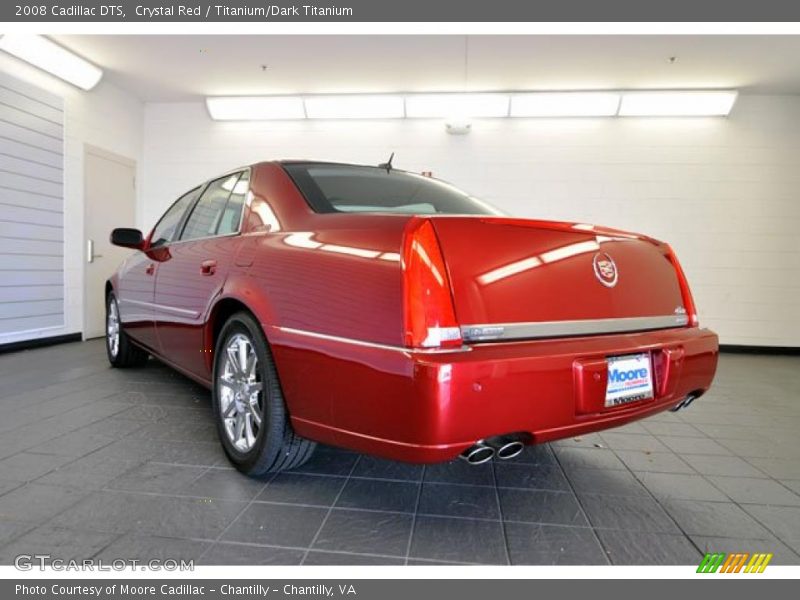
[(723, 192), (106, 117)]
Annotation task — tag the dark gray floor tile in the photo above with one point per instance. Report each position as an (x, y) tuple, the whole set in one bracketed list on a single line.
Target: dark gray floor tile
[(77, 443), (783, 521), (378, 468), (276, 525), (665, 486), (459, 540), (223, 553), (157, 478), (201, 518), (752, 490), (37, 502), (459, 471), (731, 466), (714, 519), (632, 441), (637, 513), (477, 502), (91, 472), (227, 484), (588, 458), (329, 462), (605, 481), (541, 506), (7, 486), (114, 512), (781, 554), (537, 454), (641, 548), (779, 468), (377, 494), (792, 484), (654, 462), (28, 466), (536, 544), (540, 477), (60, 544), (143, 548), (294, 488), (11, 529), (677, 429), (316, 557), (693, 445), (365, 532)]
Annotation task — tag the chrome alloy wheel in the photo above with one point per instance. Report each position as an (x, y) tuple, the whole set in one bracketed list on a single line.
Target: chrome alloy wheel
[(112, 328), (240, 393)]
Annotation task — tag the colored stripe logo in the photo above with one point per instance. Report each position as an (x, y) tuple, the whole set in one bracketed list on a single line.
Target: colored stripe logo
[(736, 562)]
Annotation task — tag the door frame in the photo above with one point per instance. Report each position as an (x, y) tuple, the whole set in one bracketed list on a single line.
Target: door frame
[(89, 149)]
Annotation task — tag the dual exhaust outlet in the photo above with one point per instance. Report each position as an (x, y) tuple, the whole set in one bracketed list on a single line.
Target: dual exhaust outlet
[(503, 447)]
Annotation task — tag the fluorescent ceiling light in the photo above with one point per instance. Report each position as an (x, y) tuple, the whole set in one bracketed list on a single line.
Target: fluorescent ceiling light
[(49, 56), (565, 104), (433, 106), (677, 104), (355, 106), (255, 108)]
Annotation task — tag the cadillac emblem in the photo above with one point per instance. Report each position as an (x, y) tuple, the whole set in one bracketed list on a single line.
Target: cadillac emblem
[(604, 269)]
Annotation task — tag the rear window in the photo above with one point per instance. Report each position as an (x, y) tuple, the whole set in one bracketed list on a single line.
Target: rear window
[(358, 189)]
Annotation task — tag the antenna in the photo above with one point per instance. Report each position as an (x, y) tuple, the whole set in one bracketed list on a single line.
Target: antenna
[(388, 164)]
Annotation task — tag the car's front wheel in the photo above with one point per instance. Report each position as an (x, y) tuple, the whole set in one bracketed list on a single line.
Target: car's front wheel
[(248, 404), (121, 352)]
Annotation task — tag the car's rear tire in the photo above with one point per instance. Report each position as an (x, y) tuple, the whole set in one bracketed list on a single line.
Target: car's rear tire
[(247, 400), (121, 351)]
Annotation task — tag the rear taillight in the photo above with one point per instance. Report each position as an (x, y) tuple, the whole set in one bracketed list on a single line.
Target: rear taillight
[(428, 314), (686, 294)]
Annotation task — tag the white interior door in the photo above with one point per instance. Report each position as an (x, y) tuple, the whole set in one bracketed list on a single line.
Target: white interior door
[(110, 194)]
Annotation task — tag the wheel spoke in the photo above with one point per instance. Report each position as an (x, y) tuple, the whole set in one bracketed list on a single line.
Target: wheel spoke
[(230, 409), (250, 436), (254, 410)]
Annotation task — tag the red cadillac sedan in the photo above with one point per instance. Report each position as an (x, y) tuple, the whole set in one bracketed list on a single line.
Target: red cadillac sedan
[(390, 313)]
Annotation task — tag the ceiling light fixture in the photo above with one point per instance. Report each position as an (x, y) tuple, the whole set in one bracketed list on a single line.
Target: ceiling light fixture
[(49, 56), (717, 103), (456, 106), (460, 108), (565, 104), (255, 108), (355, 106)]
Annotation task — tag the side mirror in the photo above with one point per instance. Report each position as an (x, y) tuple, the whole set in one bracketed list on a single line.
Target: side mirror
[(127, 238)]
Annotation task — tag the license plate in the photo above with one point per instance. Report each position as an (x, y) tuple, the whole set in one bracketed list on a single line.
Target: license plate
[(630, 379)]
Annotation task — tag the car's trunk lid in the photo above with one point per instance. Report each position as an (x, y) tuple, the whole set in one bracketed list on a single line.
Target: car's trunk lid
[(517, 278)]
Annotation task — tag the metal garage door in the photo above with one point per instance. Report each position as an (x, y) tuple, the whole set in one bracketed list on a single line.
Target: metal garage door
[(31, 211)]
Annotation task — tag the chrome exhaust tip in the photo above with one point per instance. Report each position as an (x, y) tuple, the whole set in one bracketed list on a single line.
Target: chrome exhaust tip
[(510, 450), (683, 403), (478, 454)]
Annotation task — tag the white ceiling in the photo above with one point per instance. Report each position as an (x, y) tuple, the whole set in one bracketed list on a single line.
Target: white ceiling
[(185, 67)]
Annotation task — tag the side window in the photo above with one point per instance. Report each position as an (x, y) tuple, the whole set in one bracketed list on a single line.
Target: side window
[(232, 215), (205, 219), (165, 229)]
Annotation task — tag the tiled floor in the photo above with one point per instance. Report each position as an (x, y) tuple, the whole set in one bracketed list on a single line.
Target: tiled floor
[(126, 464)]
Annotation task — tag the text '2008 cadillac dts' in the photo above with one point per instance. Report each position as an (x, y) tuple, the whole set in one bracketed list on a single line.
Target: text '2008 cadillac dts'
[(390, 313)]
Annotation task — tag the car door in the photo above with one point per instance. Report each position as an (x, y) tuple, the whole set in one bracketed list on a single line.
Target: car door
[(137, 279), (195, 271)]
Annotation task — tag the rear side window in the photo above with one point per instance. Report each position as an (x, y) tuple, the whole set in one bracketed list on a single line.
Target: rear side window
[(232, 215), (165, 229), (352, 188), (210, 211)]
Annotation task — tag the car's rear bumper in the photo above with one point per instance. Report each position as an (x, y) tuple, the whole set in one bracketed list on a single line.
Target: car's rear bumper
[(429, 407)]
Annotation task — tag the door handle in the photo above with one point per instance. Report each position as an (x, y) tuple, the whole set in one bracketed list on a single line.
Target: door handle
[(208, 267), (90, 255), (151, 268)]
